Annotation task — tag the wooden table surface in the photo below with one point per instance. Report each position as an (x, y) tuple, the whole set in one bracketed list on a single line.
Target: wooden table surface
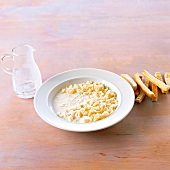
[(118, 36)]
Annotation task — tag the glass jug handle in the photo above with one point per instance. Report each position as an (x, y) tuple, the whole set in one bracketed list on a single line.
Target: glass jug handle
[(3, 58)]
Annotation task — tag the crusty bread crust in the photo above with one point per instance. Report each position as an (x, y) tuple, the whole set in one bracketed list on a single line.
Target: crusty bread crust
[(146, 90), (129, 80), (156, 81)]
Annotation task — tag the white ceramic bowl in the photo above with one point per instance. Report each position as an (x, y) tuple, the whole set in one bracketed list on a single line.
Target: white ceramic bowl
[(43, 100)]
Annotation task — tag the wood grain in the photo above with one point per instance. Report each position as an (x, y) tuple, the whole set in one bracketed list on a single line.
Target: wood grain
[(118, 36)]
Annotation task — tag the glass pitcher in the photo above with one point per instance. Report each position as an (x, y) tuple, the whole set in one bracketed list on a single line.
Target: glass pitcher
[(26, 76)]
